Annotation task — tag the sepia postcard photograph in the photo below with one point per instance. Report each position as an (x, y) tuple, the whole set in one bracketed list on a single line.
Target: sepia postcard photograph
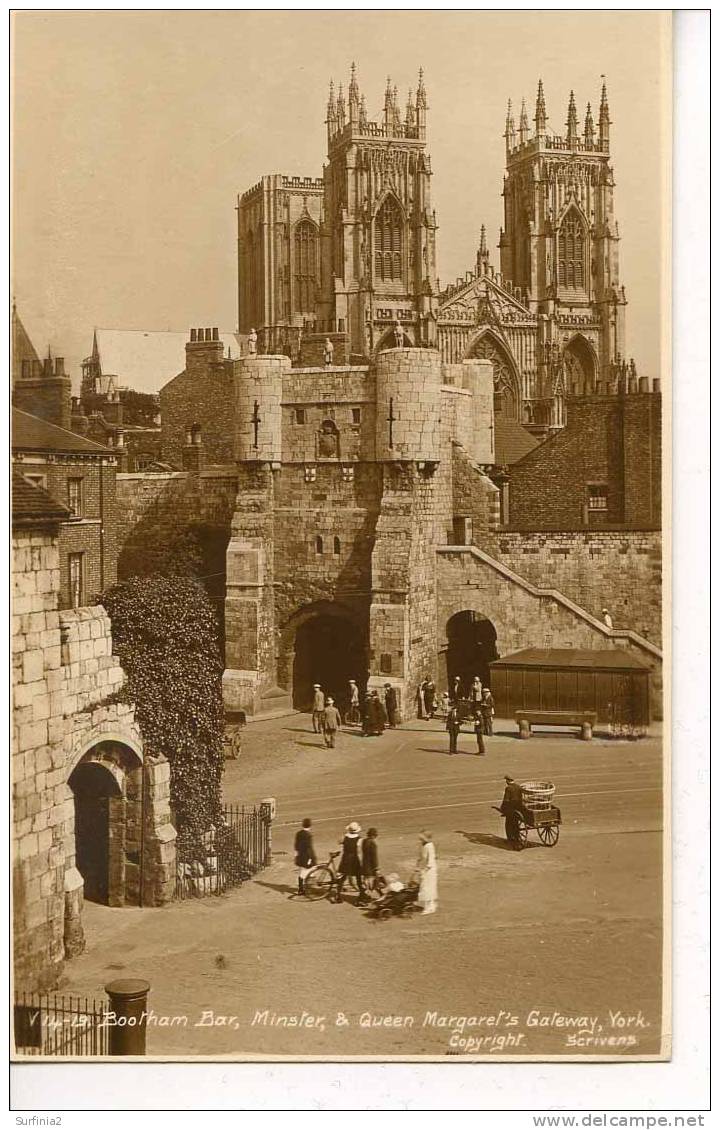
[(341, 385)]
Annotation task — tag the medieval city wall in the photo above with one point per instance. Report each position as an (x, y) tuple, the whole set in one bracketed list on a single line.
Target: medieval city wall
[(65, 679), (526, 614), (155, 508), (617, 570)]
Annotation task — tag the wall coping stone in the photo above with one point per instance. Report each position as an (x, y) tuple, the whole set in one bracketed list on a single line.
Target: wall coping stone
[(591, 531), (456, 390), (304, 372), (152, 476), (555, 594)]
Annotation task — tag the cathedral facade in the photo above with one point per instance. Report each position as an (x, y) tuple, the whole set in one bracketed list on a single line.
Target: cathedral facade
[(353, 255)]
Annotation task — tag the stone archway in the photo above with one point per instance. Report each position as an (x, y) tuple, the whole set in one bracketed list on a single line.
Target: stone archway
[(107, 789), (471, 648), (323, 643), (487, 346)]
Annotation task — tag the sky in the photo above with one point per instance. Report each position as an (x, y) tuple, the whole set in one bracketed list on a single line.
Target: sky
[(134, 132)]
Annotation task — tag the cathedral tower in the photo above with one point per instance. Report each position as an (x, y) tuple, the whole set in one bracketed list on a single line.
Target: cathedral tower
[(559, 245), (379, 227)]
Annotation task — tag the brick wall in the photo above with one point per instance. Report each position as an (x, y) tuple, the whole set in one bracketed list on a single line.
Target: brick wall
[(94, 534), (48, 397), (613, 441), (202, 394)]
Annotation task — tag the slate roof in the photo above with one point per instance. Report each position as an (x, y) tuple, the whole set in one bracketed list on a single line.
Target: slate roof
[(30, 433), (615, 658), (145, 360), (512, 441), (32, 503)]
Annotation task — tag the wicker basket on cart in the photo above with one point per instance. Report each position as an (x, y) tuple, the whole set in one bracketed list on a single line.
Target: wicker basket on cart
[(538, 795)]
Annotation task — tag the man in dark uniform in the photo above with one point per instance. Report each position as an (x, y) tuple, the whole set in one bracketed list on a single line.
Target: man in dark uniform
[(391, 705), (513, 809), (305, 857), (452, 725)]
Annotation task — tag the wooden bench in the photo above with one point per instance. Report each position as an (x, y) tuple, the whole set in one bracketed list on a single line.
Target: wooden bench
[(585, 719)]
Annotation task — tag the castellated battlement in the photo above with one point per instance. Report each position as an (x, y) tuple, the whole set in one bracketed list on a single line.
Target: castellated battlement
[(400, 408)]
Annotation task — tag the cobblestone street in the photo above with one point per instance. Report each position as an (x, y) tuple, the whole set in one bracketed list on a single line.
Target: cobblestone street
[(529, 944)]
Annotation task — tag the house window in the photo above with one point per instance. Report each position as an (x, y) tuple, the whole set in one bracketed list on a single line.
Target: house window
[(571, 252), (75, 570), (75, 497), (386, 663), (388, 241), (348, 474), (299, 415), (597, 497), (305, 266), (37, 480), (318, 544), (356, 415), (336, 546), (310, 474)]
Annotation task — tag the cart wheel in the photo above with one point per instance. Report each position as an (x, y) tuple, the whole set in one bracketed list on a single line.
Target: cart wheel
[(384, 912), (522, 834), (549, 834)]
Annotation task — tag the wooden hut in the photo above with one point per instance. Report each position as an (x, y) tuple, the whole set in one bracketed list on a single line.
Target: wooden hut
[(613, 684)]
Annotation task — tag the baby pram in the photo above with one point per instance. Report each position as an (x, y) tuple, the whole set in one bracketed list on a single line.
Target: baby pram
[(398, 899)]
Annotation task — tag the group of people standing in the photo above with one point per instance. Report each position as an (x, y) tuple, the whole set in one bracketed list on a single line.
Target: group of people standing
[(372, 713), (479, 705), (360, 862)]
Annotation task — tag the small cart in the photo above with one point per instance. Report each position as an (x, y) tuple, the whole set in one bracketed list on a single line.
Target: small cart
[(538, 813), (546, 823)]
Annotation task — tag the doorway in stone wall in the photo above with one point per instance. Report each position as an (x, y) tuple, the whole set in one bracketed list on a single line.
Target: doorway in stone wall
[(107, 792), (329, 650), (471, 648)]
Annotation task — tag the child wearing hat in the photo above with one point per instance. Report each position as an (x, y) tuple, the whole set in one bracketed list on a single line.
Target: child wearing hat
[(350, 866)]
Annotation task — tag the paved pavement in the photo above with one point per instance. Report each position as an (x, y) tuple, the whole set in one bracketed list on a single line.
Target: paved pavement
[(550, 951)]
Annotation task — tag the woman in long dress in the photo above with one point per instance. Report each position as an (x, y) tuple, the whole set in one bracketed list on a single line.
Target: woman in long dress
[(427, 867)]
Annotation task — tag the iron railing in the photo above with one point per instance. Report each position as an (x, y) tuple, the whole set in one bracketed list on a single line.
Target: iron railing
[(232, 852), (54, 1025)]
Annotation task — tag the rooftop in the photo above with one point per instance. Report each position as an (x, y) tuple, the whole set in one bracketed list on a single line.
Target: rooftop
[(31, 503), (512, 441), (145, 360), (30, 433), (614, 658)]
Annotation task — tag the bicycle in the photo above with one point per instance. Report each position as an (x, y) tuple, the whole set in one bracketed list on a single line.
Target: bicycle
[(321, 880)]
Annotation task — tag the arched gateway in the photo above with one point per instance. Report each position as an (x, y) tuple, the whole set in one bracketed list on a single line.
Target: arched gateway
[(107, 788), (123, 835), (471, 647), (323, 643)]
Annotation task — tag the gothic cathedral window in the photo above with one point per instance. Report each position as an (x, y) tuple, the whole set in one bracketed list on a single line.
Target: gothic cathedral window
[(388, 241), (305, 267), (571, 253)]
